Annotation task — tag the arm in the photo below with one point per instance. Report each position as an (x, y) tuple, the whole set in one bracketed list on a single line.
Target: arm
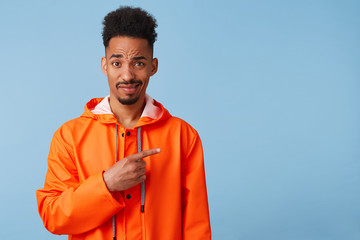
[(65, 205), (195, 209)]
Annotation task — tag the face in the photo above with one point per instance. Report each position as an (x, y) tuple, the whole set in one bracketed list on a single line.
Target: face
[(128, 64)]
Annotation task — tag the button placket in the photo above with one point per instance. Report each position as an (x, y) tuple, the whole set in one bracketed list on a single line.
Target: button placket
[(131, 196), (122, 142)]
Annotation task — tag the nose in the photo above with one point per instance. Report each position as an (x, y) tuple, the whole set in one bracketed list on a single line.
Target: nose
[(127, 73)]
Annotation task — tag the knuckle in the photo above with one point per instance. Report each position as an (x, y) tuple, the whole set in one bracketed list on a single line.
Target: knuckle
[(135, 175), (132, 168), (140, 171)]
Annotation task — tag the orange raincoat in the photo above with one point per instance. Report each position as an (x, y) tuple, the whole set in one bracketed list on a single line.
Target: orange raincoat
[(76, 201)]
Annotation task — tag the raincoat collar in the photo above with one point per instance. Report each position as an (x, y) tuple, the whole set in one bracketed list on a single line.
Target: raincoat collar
[(99, 109)]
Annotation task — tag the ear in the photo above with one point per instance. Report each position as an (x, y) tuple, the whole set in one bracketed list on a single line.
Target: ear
[(154, 66), (104, 65)]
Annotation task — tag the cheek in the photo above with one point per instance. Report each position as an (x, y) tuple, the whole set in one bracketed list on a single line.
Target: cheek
[(146, 73), (112, 74), (146, 83), (112, 79)]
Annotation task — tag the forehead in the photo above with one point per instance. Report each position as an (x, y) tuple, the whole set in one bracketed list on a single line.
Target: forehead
[(128, 46)]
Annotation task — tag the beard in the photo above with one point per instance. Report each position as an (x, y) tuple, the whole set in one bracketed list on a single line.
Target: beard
[(131, 100), (128, 101)]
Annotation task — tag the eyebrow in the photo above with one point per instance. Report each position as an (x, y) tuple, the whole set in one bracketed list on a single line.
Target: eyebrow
[(116, 56), (139, 58), (121, 56)]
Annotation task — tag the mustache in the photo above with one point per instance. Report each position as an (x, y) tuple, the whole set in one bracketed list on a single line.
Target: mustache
[(132, 81)]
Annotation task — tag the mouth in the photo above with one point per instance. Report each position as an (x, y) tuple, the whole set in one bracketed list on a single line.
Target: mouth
[(129, 88)]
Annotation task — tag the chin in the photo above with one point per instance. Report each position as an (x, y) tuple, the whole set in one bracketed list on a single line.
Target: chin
[(128, 101)]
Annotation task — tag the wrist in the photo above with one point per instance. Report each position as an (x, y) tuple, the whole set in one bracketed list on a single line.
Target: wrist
[(106, 181)]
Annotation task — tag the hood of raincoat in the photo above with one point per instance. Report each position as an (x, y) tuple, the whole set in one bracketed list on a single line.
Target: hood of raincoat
[(99, 109)]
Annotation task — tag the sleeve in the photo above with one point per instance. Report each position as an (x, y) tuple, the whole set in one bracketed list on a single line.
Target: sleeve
[(195, 209), (65, 205)]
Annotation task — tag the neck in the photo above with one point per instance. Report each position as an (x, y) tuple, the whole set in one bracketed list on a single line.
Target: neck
[(127, 115)]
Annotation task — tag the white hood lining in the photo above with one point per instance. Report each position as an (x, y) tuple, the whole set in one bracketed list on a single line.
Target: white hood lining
[(150, 109)]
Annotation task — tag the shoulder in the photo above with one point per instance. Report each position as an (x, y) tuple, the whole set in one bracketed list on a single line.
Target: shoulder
[(181, 130), (71, 127), (71, 124), (182, 125)]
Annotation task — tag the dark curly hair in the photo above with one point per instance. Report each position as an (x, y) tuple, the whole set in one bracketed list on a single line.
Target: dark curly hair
[(131, 22)]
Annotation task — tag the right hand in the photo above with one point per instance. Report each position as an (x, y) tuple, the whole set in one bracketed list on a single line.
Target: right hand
[(127, 172)]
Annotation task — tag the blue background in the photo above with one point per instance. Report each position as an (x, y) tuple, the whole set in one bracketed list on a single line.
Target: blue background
[(273, 88)]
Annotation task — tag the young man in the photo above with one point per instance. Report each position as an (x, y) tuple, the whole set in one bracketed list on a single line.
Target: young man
[(126, 169)]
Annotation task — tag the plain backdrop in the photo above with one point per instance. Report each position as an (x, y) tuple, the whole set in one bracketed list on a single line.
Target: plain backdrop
[(273, 88)]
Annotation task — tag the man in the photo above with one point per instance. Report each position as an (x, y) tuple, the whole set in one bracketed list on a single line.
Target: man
[(126, 169)]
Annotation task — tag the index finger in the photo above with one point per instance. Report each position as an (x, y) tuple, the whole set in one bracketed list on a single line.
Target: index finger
[(143, 154)]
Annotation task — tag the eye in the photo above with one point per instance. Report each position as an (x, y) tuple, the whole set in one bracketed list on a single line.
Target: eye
[(116, 64), (139, 64)]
